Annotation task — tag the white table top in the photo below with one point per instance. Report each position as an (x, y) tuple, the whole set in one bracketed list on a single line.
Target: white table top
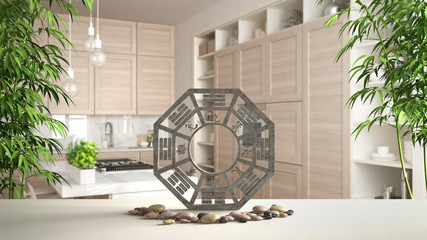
[(313, 219)]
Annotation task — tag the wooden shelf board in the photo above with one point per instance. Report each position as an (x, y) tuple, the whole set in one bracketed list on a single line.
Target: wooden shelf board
[(206, 55), (393, 164), (206, 165), (206, 143), (206, 77)]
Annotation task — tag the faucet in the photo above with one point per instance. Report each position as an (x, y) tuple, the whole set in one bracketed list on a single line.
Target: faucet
[(108, 137)]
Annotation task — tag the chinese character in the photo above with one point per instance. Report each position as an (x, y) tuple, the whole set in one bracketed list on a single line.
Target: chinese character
[(181, 149)]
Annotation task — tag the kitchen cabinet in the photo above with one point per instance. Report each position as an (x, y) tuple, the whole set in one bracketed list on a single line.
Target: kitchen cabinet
[(156, 40), (251, 69), (284, 65), (287, 118), (286, 182), (156, 84), (118, 36), (115, 85), (83, 102), (226, 68), (326, 118), (79, 32)]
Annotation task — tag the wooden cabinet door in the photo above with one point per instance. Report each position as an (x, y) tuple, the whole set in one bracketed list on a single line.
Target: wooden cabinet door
[(284, 65), (115, 85), (147, 157), (225, 63), (84, 79), (156, 40), (251, 69), (287, 118), (156, 84), (118, 36), (327, 119), (79, 32), (286, 182)]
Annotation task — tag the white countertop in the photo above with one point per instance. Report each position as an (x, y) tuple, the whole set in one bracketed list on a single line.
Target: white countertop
[(313, 219)]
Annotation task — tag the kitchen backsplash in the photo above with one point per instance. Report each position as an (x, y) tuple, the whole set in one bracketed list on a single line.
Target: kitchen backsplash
[(92, 128)]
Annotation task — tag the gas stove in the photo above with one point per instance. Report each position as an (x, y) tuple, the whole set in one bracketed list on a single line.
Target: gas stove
[(121, 165)]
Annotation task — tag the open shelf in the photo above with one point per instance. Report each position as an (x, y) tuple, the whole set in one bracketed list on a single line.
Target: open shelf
[(206, 143), (393, 164)]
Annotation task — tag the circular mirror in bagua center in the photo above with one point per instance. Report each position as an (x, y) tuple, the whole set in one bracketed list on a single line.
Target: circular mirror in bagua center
[(214, 149)]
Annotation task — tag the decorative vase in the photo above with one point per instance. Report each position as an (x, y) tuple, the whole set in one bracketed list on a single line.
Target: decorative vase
[(82, 176)]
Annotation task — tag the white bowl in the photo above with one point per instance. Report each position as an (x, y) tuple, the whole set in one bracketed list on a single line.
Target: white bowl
[(144, 144)]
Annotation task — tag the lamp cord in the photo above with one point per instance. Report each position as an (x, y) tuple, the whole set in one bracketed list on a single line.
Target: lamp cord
[(69, 37), (97, 17)]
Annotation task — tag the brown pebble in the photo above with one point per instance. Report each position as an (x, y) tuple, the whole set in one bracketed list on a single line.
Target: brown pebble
[(133, 212), (278, 208), (223, 220), (238, 217), (283, 215), (257, 218), (290, 212), (167, 215), (210, 218), (260, 209), (184, 220), (274, 213), (185, 215), (157, 208), (195, 220), (143, 211), (151, 215), (229, 218)]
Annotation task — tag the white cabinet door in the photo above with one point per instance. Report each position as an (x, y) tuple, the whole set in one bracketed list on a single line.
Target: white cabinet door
[(115, 85)]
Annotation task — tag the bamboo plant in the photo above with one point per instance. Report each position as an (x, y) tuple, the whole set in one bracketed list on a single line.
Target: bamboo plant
[(29, 73), (398, 29)]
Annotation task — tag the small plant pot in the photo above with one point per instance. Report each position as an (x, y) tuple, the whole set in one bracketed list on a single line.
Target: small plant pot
[(83, 176)]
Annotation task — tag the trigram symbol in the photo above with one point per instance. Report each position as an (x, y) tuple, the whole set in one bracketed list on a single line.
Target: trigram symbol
[(177, 180), (213, 100), (165, 149), (245, 112), (179, 115), (262, 149), (248, 182), (207, 197)]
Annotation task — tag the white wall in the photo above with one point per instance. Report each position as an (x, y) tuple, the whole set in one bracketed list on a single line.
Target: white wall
[(220, 13)]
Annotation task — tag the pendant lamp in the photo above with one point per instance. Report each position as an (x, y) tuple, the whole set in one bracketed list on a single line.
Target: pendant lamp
[(69, 85), (98, 57), (89, 44)]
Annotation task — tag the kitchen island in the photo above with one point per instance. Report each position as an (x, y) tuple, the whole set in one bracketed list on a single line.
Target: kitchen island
[(313, 219)]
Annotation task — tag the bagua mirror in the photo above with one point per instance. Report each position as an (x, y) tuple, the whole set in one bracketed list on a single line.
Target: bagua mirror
[(213, 149)]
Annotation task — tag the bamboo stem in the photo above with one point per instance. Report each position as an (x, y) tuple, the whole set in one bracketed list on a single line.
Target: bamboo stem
[(402, 162)]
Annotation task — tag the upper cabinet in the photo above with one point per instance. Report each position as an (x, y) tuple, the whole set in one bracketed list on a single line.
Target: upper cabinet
[(226, 68), (115, 85), (284, 65), (118, 36), (156, 40), (83, 102), (79, 32), (156, 84)]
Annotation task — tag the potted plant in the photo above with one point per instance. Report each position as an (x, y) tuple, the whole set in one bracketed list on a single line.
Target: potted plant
[(83, 157), (399, 59), (29, 72)]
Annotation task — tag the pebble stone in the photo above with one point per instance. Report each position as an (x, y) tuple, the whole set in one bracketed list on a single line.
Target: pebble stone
[(243, 220), (184, 220), (274, 213), (185, 215), (268, 215), (229, 218), (151, 215), (168, 221), (143, 211), (210, 218), (278, 208), (133, 212), (200, 215), (290, 212), (240, 216), (251, 214), (257, 218), (223, 220), (234, 213), (157, 208), (195, 220), (259, 209), (283, 215), (167, 215)]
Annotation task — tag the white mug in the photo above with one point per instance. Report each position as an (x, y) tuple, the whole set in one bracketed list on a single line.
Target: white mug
[(383, 149)]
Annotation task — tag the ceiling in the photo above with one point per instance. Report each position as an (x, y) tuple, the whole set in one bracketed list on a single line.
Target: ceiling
[(169, 12)]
